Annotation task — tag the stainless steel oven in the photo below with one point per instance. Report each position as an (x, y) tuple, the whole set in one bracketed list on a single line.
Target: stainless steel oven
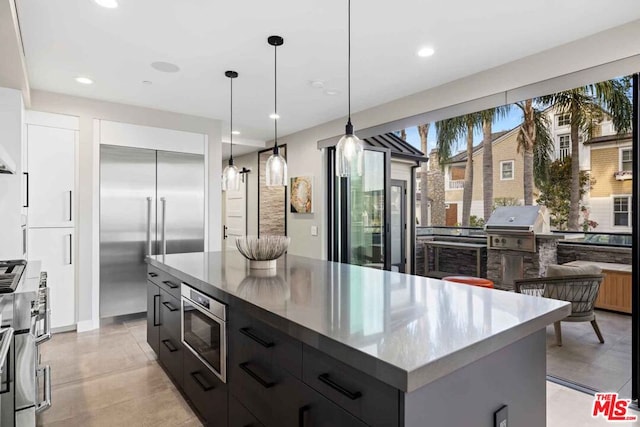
[(204, 329)]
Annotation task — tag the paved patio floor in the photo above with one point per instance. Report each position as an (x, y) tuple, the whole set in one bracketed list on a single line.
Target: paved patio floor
[(583, 360)]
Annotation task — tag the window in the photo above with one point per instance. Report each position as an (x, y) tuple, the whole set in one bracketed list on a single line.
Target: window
[(506, 170), (626, 159), (564, 146), (563, 119), (621, 207)]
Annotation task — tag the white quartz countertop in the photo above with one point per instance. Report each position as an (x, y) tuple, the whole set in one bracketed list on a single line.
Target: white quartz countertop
[(404, 330)]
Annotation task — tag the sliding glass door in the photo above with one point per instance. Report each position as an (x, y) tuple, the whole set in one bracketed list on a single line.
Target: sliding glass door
[(360, 206)]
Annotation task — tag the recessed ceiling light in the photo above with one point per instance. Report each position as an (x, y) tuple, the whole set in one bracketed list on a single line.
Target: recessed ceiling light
[(331, 92), (109, 4), (317, 84), (274, 116), (165, 67), (425, 52), (84, 80), (147, 82), (235, 132)]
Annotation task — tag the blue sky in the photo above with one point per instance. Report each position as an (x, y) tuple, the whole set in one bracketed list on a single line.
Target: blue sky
[(513, 118)]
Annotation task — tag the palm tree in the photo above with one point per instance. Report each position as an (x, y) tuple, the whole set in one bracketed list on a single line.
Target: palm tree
[(423, 131), (588, 105), (537, 145), (450, 131), (488, 116)]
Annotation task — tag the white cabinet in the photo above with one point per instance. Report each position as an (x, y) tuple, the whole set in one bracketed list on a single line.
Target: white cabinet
[(55, 248), (51, 142), (51, 162)]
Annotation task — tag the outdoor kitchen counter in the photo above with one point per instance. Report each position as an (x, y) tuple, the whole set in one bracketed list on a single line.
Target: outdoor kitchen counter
[(407, 331)]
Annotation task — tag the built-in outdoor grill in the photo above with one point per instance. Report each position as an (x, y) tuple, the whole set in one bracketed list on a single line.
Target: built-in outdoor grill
[(515, 227), (519, 244)]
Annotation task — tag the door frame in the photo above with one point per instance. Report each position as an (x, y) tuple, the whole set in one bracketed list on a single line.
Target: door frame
[(339, 220), (244, 176), (635, 248), (403, 216)]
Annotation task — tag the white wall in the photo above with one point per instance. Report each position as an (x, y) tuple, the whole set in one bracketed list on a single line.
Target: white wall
[(303, 159), (87, 110), (11, 134)]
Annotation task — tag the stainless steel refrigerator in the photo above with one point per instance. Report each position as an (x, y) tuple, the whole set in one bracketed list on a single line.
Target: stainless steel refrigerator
[(151, 202)]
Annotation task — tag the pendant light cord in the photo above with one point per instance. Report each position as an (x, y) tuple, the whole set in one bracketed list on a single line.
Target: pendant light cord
[(231, 129), (275, 97), (349, 59)]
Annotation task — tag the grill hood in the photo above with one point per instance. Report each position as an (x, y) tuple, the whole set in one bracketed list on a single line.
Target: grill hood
[(513, 219)]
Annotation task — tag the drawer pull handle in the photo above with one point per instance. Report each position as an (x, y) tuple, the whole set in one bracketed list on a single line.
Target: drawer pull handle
[(266, 384), (353, 395), (170, 306), (153, 274), (302, 415), (155, 312), (201, 381), (247, 332), (170, 284), (169, 345)]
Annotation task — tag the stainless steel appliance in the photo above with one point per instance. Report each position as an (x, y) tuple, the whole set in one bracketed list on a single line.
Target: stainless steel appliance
[(204, 327), (515, 227), (26, 312), (10, 274), (151, 202)]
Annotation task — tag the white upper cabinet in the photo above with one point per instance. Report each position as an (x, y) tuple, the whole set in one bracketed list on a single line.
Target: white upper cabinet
[(51, 161)]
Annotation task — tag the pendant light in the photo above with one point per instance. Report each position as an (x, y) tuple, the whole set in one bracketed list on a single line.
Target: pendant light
[(231, 174), (349, 151), (276, 173)]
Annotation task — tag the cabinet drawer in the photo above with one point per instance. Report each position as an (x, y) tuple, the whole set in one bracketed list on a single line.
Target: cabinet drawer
[(239, 416), (207, 393), (171, 355), (165, 281), (153, 316), (252, 340), (287, 402), (373, 401), (170, 315), (257, 387)]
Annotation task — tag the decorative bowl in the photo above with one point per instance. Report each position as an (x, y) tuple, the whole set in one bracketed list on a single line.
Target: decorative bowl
[(262, 252)]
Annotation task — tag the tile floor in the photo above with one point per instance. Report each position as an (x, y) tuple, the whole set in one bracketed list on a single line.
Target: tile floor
[(110, 377), (582, 359)]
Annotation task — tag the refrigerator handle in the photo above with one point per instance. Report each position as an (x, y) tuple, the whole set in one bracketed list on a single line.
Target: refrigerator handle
[(163, 243), (148, 248)]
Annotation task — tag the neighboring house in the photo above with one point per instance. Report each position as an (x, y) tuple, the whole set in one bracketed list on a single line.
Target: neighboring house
[(606, 157), (609, 199), (507, 176)]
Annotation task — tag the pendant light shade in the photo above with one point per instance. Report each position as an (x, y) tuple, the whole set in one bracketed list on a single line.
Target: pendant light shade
[(349, 151), (231, 174), (276, 167)]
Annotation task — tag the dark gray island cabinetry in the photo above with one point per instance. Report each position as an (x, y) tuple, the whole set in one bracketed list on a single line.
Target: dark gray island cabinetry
[(327, 344)]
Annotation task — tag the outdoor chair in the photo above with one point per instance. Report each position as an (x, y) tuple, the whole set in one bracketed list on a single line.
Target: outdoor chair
[(580, 290)]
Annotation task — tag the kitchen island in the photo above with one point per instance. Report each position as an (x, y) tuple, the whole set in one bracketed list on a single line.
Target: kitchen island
[(323, 343)]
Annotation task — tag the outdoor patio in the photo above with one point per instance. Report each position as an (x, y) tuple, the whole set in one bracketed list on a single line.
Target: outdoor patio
[(583, 360)]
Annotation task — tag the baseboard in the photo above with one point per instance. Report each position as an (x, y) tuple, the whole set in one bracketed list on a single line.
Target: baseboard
[(88, 325)]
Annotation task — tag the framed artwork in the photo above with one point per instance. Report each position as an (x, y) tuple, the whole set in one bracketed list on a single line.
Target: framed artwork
[(301, 196), (272, 201)]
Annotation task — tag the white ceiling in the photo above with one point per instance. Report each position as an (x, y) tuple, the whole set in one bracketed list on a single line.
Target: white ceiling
[(115, 47)]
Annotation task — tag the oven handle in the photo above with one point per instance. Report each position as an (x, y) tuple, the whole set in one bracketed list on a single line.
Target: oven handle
[(46, 403), (7, 338), (46, 335)]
